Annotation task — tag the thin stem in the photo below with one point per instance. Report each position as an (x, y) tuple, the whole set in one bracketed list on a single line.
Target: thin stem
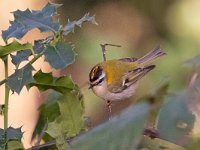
[(35, 58), (3, 81), (103, 48), (6, 94), (7, 90)]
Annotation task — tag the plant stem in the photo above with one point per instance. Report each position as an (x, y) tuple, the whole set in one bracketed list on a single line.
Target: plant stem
[(6, 97), (6, 94)]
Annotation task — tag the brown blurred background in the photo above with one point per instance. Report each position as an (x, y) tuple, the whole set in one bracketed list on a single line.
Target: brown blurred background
[(137, 25)]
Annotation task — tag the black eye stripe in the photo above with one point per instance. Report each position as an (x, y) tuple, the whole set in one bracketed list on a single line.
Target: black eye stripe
[(95, 73)]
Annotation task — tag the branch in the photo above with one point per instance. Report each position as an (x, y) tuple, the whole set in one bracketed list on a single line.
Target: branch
[(103, 48)]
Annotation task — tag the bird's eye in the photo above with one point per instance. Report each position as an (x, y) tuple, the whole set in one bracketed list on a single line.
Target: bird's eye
[(101, 80)]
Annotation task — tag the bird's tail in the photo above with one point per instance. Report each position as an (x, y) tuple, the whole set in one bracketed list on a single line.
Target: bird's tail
[(157, 52)]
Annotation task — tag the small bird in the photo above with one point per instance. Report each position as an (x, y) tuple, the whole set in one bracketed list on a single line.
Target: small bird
[(117, 79)]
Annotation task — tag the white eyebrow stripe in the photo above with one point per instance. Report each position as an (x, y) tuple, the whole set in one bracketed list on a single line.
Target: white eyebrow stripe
[(100, 77)]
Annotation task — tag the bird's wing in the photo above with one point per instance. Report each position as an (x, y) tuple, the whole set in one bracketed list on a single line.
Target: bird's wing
[(129, 79), (128, 59)]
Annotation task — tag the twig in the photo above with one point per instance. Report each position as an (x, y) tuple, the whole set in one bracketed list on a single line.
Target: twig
[(103, 48)]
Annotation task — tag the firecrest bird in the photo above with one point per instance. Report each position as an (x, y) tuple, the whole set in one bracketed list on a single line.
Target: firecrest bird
[(117, 79)]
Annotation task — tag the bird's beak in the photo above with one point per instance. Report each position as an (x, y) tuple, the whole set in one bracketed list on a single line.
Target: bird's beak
[(90, 86)]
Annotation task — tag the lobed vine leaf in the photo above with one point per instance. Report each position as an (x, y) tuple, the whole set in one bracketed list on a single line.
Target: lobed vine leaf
[(175, 120), (20, 78), (26, 20), (13, 47), (69, 27), (45, 81), (48, 112), (70, 122), (121, 132), (59, 56)]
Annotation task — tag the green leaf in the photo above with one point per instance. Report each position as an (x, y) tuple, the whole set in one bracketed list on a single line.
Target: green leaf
[(157, 144), (71, 119), (45, 81), (20, 78), (48, 112), (13, 47), (122, 132), (175, 120), (20, 56), (69, 27), (56, 130), (26, 20), (10, 134), (70, 122), (59, 56)]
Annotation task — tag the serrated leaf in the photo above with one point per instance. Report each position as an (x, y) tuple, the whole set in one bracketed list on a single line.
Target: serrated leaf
[(26, 20), (20, 56), (14, 133), (10, 134), (45, 81), (69, 27), (122, 132), (71, 117), (13, 47), (59, 56), (56, 131), (20, 78), (175, 120), (157, 144), (70, 122)]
